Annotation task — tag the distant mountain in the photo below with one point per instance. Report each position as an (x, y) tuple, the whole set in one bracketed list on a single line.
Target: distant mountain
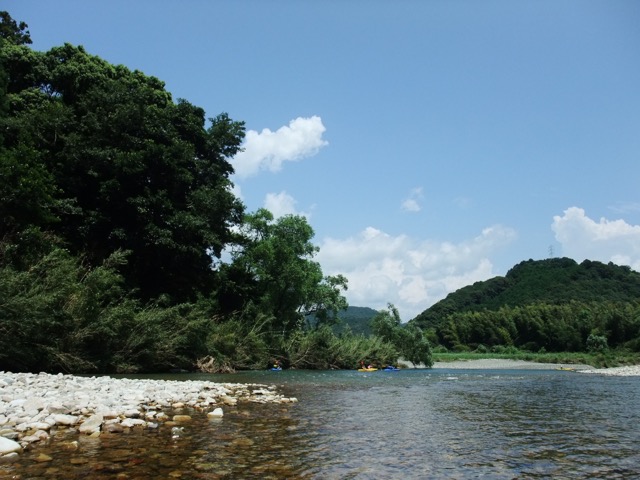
[(552, 281), (357, 318)]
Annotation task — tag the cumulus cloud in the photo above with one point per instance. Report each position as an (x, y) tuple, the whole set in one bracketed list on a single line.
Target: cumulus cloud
[(281, 204), (606, 241), (411, 203), (268, 150), (412, 274)]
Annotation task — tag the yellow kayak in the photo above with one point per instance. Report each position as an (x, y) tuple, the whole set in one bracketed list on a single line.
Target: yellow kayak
[(367, 369)]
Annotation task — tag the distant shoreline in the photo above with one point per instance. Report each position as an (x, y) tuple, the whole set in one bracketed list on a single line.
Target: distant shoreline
[(506, 364)]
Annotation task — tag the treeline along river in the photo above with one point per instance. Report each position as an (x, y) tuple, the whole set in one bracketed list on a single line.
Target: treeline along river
[(411, 424)]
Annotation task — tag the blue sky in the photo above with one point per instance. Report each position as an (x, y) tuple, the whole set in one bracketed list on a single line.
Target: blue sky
[(430, 144)]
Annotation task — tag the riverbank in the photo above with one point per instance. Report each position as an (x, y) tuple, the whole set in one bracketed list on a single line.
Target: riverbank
[(503, 363), (34, 406), (499, 363)]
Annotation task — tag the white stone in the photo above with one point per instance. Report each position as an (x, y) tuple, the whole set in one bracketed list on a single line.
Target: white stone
[(132, 413), (91, 424), (61, 419), (132, 422), (9, 446), (40, 426), (227, 400), (217, 412), (57, 407), (18, 402), (33, 404)]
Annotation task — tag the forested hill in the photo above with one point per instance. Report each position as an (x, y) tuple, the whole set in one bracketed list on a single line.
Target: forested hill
[(358, 319), (551, 281)]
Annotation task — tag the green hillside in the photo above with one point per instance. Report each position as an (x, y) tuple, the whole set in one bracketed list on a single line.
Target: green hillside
[(555, 304), (358, 319), (552, 281)]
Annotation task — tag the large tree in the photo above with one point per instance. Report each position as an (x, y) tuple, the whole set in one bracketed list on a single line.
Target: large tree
[(104, 158), (408, 339), (273, 272)]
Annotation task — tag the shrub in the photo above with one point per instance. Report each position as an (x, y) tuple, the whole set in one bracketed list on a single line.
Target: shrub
[(596, 343)]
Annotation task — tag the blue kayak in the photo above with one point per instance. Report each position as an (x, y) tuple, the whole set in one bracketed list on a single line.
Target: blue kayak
[(276, 369), (390, 369)]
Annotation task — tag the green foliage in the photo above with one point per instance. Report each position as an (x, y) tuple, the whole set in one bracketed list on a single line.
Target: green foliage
[(415, 347), (536, 327), (356, 320), (236, 344), (550, 305), (596, 343), (409, 340), (115, 202), (551, 281), (321, 349), (60, 315), (102, 157), (273, 273), (12, 31)]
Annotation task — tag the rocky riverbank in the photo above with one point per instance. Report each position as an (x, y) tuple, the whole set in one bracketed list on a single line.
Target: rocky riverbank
[(627, 371), (506, 364), (499, 364), (33, 406)]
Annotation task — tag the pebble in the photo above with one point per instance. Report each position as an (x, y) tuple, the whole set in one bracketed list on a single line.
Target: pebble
[(33, 405)]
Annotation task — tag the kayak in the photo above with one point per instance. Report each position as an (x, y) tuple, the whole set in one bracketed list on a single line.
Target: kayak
[(276, 369), (390, 369), (367, 369)]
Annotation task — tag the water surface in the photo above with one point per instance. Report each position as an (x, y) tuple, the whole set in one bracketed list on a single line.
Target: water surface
[(412, 424)]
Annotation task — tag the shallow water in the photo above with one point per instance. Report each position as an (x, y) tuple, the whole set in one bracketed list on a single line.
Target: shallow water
[(412, 424)]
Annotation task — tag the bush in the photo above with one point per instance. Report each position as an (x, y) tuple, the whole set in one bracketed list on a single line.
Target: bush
[(596, 343)]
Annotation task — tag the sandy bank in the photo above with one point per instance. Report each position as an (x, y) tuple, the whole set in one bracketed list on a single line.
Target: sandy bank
[(502, 364), (498, 363)]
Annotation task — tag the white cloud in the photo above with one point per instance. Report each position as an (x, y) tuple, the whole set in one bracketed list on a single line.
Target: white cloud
[(412, 274), (606, 241), (281, 204), (411, 203), (268, 150)]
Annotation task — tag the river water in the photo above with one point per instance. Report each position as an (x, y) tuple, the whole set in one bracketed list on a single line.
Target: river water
[(411, 424)]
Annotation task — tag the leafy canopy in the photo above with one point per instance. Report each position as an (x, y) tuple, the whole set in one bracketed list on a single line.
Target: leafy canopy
[(104, 158)]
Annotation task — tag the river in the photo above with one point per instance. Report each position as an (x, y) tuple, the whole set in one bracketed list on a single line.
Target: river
[(411, 424)]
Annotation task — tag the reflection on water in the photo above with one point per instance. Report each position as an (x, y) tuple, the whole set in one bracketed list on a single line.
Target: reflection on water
[(407, 424)]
